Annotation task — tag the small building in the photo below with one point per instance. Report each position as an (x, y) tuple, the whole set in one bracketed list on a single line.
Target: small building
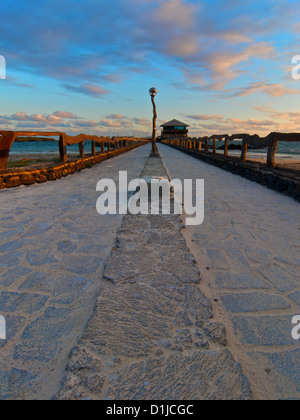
[(174, 128)]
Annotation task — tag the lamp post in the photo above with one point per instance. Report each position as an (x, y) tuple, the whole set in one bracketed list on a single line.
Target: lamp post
[(153, 93)]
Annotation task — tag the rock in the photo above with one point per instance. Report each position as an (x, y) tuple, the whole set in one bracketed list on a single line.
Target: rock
[(13, 181), (27, 179), (216, 332)]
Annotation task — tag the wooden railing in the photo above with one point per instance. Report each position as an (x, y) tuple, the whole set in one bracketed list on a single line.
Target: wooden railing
[(8, 137), (202, 144)]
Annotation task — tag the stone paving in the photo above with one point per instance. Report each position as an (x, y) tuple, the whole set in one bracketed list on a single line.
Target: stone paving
[(247, 251), (153, 335), (146, 320), (53, 246)]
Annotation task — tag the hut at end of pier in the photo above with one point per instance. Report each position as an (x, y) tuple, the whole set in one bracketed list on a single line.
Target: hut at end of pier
[(174, 128)]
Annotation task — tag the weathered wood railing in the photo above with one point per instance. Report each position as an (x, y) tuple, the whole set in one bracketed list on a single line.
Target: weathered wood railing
[(202, 144), (8, 137)]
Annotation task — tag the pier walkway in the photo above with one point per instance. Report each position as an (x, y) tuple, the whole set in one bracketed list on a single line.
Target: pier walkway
[(247, 251), (143, 314)]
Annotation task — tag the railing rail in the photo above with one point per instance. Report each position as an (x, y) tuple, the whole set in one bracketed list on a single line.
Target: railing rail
[(270, 142), (8, 137)]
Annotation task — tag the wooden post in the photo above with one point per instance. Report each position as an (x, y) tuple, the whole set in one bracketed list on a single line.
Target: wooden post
[(226, 147), (272, 153), (62, 150), (109, 148), (215, 146), (93, 148), (200, 146), (206, 145), (5, 145), (244, 151), (103, 147), (81, 149)]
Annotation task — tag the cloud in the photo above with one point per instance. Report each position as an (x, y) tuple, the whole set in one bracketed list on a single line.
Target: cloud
[(83, 123), (20, 116), (115, 117), (67, 121), (224, 64), (64, 114), (275, 90), (205, 117), (198, 45), (218, 124), (176, 13), (142, 121), (114, 124), (87, 89), (296, 27), (235, 37), (291, 117)]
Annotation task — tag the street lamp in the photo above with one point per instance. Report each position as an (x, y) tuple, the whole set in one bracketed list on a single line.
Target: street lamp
[(153, 93)]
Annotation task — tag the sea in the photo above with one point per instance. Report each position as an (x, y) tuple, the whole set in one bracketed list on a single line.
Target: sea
[(45, 147), (285, 150)]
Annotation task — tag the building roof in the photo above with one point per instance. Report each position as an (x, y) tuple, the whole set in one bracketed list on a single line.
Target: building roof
[(174, 123)]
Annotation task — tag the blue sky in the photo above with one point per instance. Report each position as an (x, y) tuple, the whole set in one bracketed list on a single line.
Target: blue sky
[(86, 66)]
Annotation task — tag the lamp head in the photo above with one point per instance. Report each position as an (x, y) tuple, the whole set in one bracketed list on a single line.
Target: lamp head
[(153, 92)]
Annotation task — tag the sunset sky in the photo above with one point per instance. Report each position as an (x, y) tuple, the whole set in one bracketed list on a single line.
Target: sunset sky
[(87, 65)]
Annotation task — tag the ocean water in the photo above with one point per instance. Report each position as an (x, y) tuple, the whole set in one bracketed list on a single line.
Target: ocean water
[(291, 150), (284, 150), (45, 147)]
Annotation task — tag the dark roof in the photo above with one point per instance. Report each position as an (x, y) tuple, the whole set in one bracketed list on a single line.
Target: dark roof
[(174, 123)]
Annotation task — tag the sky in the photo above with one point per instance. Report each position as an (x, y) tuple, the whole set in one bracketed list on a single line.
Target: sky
[(86, 66)]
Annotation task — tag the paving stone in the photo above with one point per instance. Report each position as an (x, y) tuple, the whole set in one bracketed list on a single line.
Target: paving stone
[(13, 275), (237, 259), (295, 297), (14, 324), (282, 280), (66, 247), (10, 260), (64, 289), (14, 383), (11, 302), (264, 330), (6, 234), (217, 259), (231, 280), (11, 246), (258, 255), (81, 264), (253, 302), (284, 369), (40, 257), (45, 337)]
